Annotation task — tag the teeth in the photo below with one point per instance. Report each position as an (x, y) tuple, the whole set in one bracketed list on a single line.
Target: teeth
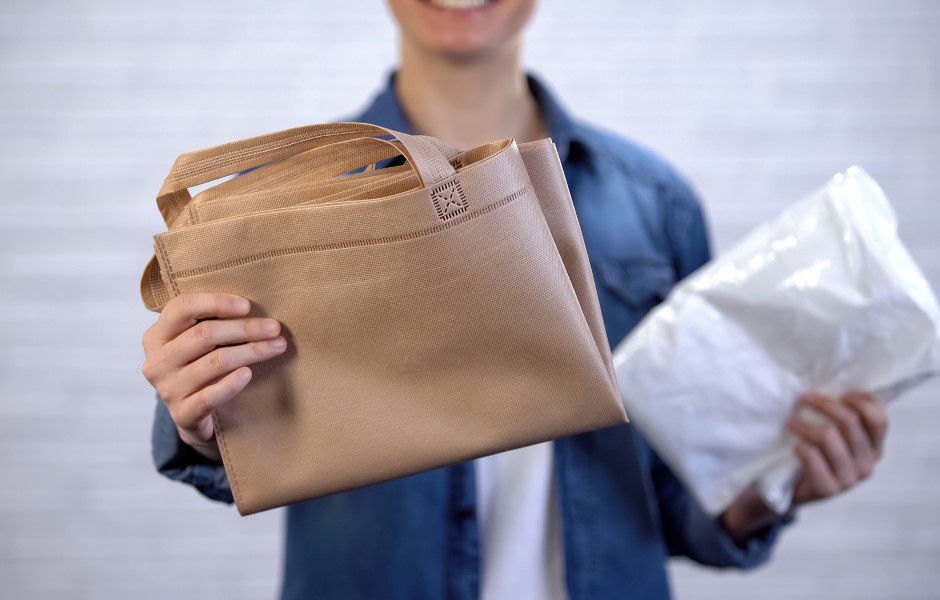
[(458, 4)]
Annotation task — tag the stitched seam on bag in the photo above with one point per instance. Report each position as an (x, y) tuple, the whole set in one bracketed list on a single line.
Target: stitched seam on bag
[(176, 203), (158, 288), (166, 263), (182, 199), (223, 448), (466, 216), (209, 164), (445, 196)]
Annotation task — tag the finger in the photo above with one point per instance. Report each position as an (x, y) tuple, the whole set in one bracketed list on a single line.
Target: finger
[(184, 311), (828, 440), (874, 417), (206, 335), (849, 422), (191, 411), (220, 361), (816, 471)]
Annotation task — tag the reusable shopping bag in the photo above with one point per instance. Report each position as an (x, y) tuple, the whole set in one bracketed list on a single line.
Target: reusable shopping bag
[(436, 312)]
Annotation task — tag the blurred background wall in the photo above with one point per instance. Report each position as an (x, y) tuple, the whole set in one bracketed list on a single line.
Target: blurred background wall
[(757, 101)]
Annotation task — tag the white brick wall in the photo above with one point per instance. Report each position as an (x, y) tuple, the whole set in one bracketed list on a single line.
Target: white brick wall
[(757, 101)]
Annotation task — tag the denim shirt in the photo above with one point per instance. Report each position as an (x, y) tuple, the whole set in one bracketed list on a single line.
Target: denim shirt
[(623, 511)]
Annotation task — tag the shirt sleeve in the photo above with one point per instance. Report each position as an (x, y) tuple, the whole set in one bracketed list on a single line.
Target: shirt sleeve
[(177, 460), (688, 529)]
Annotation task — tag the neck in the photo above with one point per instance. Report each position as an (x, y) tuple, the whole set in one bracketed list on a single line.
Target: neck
[(468, 101)]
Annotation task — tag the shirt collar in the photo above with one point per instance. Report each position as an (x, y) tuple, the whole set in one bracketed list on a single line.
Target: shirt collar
[(387, 111)]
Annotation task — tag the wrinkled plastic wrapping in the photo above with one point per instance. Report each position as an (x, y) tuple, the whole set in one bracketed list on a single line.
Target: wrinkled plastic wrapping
[(823, 297)]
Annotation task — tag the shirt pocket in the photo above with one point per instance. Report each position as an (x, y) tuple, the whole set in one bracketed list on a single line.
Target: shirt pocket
[(639, 282)]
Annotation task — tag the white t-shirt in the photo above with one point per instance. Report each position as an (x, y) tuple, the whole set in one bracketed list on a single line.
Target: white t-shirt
[(520, 525)]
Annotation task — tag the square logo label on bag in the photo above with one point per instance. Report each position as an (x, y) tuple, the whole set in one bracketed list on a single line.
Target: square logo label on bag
[(449, 200)]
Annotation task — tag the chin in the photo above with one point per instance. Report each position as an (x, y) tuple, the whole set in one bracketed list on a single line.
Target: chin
[(460, 45)]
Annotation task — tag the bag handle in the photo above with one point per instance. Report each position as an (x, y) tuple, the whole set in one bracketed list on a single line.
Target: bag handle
[(430, 159), (325, 162)]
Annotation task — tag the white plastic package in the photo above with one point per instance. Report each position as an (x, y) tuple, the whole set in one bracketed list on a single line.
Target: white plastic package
[(823, 297)]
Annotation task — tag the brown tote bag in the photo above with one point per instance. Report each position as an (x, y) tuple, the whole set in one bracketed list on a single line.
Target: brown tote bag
[(436, 312)]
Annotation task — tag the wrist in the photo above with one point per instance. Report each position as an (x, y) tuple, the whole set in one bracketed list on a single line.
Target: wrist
[(208, 449), (747, 515)]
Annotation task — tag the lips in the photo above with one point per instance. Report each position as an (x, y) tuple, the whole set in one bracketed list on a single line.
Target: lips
[(459, 4)]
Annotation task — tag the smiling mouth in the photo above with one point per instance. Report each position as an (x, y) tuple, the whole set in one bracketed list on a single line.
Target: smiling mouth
[(459, 4)]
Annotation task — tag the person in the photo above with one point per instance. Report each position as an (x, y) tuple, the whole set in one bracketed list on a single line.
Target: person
[(594, 515)]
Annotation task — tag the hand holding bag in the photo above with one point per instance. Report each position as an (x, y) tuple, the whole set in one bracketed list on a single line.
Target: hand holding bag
[(436, 313)]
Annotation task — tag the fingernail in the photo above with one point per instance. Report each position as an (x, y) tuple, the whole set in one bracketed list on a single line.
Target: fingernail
[(242, 305), (278, 343), (269, 326), (244, 374)]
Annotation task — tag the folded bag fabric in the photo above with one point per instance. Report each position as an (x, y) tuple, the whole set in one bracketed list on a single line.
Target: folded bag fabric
[(436, 311)]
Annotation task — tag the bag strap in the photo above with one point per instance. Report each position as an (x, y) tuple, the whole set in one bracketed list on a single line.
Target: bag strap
[(322, 163), (429, 159)]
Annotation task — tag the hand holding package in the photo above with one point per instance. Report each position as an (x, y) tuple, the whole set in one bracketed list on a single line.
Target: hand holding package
[(823, 297)]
